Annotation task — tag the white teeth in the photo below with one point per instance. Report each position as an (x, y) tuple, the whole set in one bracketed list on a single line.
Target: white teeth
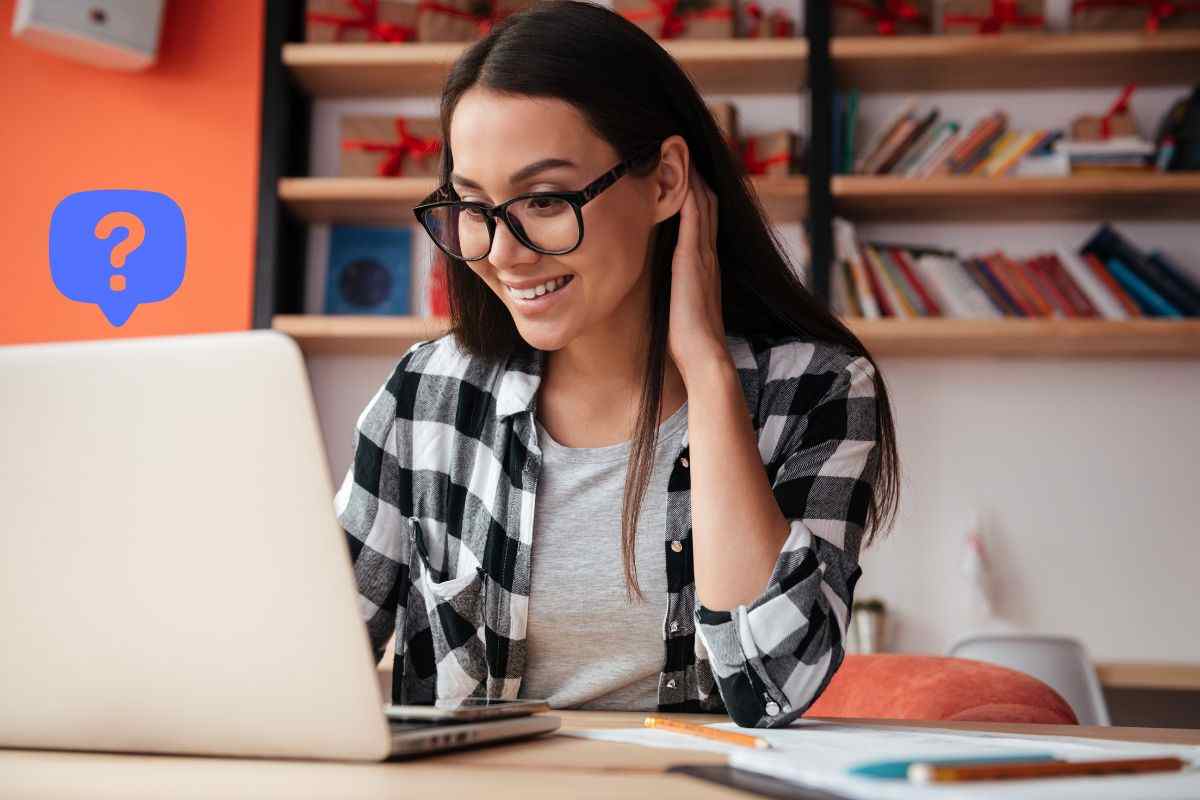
[(538, 291)]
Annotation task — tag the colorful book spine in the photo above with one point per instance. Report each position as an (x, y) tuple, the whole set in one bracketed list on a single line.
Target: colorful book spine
[(1115, 289), (1059, 305), (932, 309), (908, 296), (1151, 301), (888, 290), (982, 275), (1105, 303), (1075, 297)]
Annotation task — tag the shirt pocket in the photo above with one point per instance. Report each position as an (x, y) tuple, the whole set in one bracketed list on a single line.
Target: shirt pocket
[(455, 609)]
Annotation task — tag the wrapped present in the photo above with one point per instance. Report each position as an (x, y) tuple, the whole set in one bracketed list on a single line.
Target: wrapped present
[(774, 153), (360, 21), (388, 147), (752, 23), (462, 20), (725, 113), (1115, 15), (1117, 122), (993, 16), (680, 19), (881, 17)]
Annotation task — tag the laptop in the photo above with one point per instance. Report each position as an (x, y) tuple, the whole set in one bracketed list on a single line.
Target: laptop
[(173, 578)]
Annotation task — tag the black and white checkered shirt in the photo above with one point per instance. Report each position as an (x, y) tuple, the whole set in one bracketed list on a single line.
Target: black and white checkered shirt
[(438, 509)]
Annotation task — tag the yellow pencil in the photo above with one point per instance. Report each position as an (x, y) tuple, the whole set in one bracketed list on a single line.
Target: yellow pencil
[(728, 737)]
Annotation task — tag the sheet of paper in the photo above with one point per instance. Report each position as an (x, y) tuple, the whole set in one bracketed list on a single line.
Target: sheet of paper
[(818, 753)]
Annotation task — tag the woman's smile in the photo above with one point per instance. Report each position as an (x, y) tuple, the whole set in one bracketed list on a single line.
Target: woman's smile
[(539, 299)]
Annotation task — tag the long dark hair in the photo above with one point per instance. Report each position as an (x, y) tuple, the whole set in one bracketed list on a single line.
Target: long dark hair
[(633, 93)]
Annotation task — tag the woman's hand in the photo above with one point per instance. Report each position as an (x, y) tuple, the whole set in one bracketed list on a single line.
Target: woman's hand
[(696, 333)]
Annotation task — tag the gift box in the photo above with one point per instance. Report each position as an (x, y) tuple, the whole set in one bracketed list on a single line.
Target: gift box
[(360, 21), (387, 147), (462, 20), (752, 23), (725, 113), (1117, 122), (993, 16), (882, 17), (775, 153), (680, 19), (1118, 15)]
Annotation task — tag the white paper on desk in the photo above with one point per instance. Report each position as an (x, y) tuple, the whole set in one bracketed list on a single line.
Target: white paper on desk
[(818, 753)]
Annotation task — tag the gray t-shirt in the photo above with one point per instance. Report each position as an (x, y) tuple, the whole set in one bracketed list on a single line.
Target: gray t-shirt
[(588, 645)]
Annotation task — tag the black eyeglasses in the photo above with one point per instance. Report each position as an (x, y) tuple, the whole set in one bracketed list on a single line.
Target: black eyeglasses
[(546, 222)]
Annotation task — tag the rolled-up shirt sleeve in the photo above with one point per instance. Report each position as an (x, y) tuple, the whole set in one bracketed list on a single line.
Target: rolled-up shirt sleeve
[(773, 657)]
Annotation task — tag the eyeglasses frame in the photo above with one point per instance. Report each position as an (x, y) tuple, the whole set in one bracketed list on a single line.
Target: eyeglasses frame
[(445, 195)]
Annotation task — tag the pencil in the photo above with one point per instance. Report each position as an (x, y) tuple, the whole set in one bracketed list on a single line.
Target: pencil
[(728, 737), (931, 772)]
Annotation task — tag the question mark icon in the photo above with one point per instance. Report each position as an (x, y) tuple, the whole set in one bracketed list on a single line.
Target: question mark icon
[(137, 234)]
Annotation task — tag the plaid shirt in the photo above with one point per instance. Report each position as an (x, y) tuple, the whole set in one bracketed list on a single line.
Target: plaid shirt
[(438, 510)]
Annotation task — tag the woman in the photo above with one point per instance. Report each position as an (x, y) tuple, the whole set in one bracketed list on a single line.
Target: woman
[(629, 338)]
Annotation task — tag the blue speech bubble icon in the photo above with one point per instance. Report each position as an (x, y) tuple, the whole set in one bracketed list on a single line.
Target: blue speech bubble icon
[(117, 248)]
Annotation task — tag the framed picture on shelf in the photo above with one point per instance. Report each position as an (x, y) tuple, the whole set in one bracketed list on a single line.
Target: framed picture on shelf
[(370, 270)]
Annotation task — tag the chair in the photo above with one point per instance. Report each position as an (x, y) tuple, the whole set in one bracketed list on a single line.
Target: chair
[(1059, 661), (937, 688)]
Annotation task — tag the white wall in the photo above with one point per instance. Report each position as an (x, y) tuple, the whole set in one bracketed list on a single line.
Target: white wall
[(1084, 471)]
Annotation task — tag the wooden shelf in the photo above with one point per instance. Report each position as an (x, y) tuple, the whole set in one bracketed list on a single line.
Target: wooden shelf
[(364, 335), (1019, 60), (389, 201), (759, 66), (980, 199), (1149, 675)]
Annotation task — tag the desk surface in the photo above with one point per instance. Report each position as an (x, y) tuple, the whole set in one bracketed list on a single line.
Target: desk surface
[(549, 767)]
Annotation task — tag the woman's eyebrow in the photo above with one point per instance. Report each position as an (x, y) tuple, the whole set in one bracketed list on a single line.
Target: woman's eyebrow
[(522, 174)]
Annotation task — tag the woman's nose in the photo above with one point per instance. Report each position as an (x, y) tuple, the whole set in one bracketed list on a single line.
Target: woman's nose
[(508, 249)]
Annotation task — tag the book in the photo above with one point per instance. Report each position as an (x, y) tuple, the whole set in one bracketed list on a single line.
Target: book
[(1181, 279), (932, 309), (369, 270), (1076, 299), (1025, 284), (849, 129), (846, 247), (978, 269), (1102, 274), (1097, 293), (1059, 305), (999, 270), (881, 135), (919, 127), (1151, 302), (888, 292), (1108, 243), (908, 297)]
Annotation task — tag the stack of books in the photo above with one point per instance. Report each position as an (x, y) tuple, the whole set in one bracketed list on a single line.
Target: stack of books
[(922, 144), (1108, 277)]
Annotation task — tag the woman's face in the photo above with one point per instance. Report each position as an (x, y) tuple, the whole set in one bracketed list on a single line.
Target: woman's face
[(493, 137)]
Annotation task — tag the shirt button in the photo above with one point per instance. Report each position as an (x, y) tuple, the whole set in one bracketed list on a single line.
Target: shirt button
[(674, 627), (671, 683), (684, 461), (772, 708), (677, 547)]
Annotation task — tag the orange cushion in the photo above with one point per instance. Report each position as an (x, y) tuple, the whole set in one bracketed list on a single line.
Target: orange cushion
[(935, 688)]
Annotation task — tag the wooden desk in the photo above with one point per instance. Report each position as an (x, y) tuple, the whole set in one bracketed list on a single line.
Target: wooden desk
[(549, 767)]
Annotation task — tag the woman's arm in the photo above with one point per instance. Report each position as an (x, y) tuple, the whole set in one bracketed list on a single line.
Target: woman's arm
[(775, 561)]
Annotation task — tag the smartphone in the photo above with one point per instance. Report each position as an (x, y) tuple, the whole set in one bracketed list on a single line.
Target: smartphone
[(468, 709)]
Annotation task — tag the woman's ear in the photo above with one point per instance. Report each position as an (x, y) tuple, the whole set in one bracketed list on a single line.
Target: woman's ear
[(671, 177)]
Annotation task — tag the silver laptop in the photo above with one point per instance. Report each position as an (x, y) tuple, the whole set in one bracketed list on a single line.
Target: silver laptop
[(173, 578)]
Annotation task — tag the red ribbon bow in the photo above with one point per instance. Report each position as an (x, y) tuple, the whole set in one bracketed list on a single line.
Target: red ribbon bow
[(887, 18), (367, 19), (1004, 14), (1121, 106), (674, 21), (758, 166), (1156, 10), (408, 146), (779, 25), (483, 21)]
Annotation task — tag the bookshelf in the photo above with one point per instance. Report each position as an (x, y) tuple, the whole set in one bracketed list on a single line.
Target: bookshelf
[(965, 198), (296, 73), (390, 200), (1015, 60), (1157, 338)]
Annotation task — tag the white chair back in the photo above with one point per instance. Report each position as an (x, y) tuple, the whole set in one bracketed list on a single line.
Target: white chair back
[(1059, 661)]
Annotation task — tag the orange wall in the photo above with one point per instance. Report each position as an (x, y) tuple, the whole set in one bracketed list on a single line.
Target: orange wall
[(187, 127)]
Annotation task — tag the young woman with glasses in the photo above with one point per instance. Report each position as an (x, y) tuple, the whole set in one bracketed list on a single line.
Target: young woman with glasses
[(639, 470)]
